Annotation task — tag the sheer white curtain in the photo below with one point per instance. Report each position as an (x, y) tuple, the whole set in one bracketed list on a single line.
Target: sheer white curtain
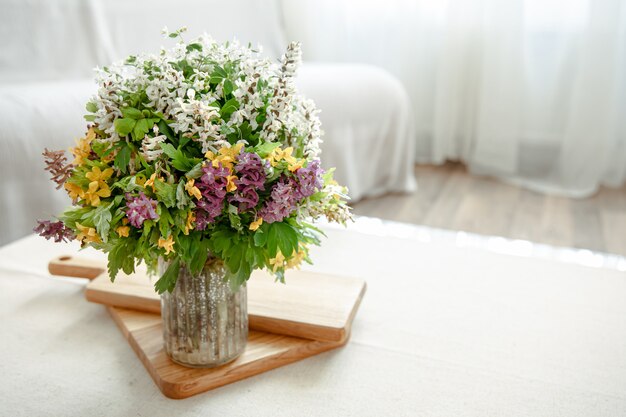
[(532, 91)]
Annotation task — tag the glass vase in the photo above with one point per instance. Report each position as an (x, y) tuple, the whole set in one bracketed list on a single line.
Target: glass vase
[(205, 322)]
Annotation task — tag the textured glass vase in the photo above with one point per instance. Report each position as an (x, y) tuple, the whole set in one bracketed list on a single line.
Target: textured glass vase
[(205, 322)]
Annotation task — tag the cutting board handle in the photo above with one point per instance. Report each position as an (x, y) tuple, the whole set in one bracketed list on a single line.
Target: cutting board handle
[(72, 266)]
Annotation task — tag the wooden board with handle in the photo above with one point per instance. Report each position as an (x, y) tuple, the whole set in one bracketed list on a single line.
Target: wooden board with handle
[(264, 351), (311, 306)]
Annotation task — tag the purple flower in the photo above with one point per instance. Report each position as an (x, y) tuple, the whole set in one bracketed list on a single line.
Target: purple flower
[(140, 209), (250, 170), (54, 230), (309, 180), (282, 201), (246, 196), (212, 186)]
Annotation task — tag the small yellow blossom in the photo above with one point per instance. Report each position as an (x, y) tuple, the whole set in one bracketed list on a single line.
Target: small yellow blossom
[(167, 244), (189, 224), (256, 224), (293, 167), (150, 182), (83, 148), (192, 189), (227, 156), (230, 185), (279, 154), (74, 191), (296, 259), (93, 193), (123, 231), (87, 234), (99, 176), (278, 261)]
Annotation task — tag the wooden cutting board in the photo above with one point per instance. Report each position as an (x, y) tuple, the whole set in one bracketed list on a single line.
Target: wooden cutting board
[(278, 312), (311, 305), (264, 351)]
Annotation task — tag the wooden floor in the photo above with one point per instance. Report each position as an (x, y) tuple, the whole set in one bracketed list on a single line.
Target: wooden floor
[(450, 198)]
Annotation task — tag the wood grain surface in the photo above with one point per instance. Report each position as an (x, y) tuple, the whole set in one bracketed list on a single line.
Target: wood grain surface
[(311, 305), (264, 351), (449, 197)]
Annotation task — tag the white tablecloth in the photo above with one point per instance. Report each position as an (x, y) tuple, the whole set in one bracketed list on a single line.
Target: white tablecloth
[(445, 329)]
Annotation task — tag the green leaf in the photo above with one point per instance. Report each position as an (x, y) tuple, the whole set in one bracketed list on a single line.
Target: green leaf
[(90, 117), (260, 238), (195, 172), (141, 128), (132, 113), (194, 47), (282, 236), (165, 220), (228, 87), (166, 130), (182, 198), (102, 220), (91, 107), (165, 192), (233, 215), (179, 160), (124, 126), (122, 257), (228, 108), (266, 148), (217, 75), (167, 282), (173, 35), (199, 255), (122, 159)]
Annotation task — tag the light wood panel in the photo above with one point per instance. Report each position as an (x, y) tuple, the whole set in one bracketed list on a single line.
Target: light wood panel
[(312, 306), (264, 351), (448, 197)]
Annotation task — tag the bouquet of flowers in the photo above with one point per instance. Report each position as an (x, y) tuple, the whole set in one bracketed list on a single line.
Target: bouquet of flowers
[(205, 148)]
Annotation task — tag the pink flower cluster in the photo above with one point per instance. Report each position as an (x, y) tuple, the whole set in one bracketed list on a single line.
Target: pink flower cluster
[(54, 230), (212, 184), (288, 191), (140, 209), (251, 172)]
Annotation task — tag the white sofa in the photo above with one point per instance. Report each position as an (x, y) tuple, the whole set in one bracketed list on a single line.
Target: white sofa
[(49, 47)]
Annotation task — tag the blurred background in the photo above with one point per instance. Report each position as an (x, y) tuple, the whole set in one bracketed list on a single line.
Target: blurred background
[(499, 117)]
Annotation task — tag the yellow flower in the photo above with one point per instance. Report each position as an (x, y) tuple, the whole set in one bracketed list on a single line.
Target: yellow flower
[(279, 154), (296, 165), (167, 244), (123, 231), (190, 219), (87, 234), (192, 189), (93, 193), (230, 185), (99, 176), (83, 148), (296, 259), (74, 191), (227, 156), (150, 182), (278, 261), (256, 224)]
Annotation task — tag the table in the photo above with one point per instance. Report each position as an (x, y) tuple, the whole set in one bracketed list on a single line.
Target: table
[(452, 324)]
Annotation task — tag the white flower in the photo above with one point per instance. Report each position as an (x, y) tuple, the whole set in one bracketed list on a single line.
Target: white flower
[(151, 146), (267, 99)]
